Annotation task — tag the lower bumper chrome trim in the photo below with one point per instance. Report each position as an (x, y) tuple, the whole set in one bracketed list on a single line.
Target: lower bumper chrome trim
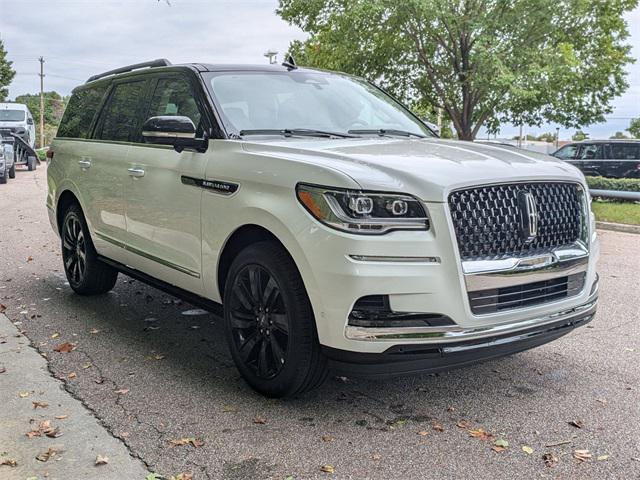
[(445, 334)]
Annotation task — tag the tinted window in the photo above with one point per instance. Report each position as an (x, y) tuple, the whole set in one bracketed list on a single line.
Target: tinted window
[(173, 96), (11, 115), (120, 120), (79, 114), (625, 151), (567, 153), (593, 151)]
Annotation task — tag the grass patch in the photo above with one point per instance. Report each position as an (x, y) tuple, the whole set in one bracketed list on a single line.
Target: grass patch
[(42, 153), (616, 212)]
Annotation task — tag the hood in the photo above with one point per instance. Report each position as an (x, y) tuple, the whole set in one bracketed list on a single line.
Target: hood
[(426, 168)]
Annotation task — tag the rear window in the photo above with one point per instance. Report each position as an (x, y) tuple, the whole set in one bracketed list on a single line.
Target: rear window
[(120, 120), (625, 151), (78, 117)]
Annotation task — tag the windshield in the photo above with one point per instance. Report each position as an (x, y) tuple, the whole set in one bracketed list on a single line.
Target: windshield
[(11, 115), (308, 100)]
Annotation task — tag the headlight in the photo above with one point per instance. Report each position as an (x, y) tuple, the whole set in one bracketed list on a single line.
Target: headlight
[(361, 211)]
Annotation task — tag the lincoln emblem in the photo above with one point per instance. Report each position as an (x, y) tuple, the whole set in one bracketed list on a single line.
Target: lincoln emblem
[(528, 215)]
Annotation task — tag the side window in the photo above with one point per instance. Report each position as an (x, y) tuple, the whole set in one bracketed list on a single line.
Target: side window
[(78, 116), (173, 96), (567, 153), (591, 152), (625, 151), (120, 118)]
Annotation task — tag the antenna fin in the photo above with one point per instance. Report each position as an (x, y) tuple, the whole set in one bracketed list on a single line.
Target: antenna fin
[(289, 62)]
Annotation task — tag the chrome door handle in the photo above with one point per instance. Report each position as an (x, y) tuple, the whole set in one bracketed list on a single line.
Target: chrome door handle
[(136, 172), (84, 163)]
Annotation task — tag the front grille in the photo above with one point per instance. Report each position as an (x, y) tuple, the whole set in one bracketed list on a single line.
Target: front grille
[(487, 220), (506, 298)]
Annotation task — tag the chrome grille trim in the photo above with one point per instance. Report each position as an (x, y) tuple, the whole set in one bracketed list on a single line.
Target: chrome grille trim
[(487, 219)]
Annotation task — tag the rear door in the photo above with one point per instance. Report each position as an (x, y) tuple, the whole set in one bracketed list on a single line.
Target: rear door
[(625, 160), (162, 211), (105, 164)]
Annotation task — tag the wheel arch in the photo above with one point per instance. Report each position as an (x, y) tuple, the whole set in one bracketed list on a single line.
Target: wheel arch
[(66, 199)]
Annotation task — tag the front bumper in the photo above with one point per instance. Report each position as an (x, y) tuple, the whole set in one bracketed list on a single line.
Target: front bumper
[(451, 349)]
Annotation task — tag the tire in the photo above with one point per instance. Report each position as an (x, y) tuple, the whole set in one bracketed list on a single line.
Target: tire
[(269, 323), (31, 163), (86, 274), (5, 176), (12, 171)]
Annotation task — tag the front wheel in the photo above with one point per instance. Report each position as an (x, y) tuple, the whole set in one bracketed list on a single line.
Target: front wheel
[(12, 171), (269, 323), (86, 274)]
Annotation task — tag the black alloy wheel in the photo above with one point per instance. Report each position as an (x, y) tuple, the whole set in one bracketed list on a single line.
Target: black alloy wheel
[(259, 321), (74, 250)]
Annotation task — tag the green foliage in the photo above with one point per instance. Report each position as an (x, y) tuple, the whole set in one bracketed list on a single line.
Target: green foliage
[(482, 61), (579, 135), (619, 136), (548, 137), (622, 184), (634, 128), (6, 73)]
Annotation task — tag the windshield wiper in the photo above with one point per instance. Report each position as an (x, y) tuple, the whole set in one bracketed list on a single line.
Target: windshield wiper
[(387, 131), (289, 132)]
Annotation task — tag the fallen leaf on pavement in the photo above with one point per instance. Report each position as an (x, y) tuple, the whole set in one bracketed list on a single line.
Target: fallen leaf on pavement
[(576, 423), (327, 468), (422, 433), (55, 335), (72, 375), (29, 258), (451, 409), (500, 445), (260, 420), (438, 428), (10, 462), (24, 394), (463, 424), (187, 441), (45, 428), (527, 450), (498, 449), (50, 453), (86, 365), (327, 438), (61, 417), (102, 460), (3, 308), (122, 391), (3, 369), (480, 433), (40, 405), (376, 456), (229, 409), (602, 401), (184, 476), (549, 459), (94, 331), (65, 347), (601, 458), (581, 455)]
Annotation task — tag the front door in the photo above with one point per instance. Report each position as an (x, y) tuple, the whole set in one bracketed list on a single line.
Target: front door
[(162, 210)]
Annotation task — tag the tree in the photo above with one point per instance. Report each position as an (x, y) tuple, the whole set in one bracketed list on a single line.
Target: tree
[(482, 61), (579, 135), (54, 105), (6, 73), (619, 136), (634, 128), (548, 137)]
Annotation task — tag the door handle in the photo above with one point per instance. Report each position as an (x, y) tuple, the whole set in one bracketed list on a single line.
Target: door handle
[(136, 172), (84, 163)]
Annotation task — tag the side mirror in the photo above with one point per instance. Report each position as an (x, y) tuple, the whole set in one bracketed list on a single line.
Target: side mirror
[(177, 131), (432, 126), (29, 121)]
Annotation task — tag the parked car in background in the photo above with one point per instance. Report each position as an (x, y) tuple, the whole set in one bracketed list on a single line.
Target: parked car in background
[(16, 118), (7, 164), (604, 158), (334, 227)]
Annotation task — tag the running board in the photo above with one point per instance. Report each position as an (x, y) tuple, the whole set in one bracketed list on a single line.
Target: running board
[(190, 297)]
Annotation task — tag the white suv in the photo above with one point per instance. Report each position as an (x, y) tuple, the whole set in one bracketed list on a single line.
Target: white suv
[(337, 231)]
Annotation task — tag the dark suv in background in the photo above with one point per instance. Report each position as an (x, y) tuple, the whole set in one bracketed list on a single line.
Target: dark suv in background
[(605, 158)]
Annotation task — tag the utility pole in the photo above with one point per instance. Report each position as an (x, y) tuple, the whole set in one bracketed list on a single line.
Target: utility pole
[(41, 60)]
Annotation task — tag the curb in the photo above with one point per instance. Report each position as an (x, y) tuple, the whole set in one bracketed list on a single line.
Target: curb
[(618, 227)]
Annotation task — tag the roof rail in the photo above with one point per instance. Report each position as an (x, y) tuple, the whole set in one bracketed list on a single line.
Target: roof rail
[(160, 62)]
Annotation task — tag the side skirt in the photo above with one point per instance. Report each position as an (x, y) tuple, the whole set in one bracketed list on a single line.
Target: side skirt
[(197, 300)]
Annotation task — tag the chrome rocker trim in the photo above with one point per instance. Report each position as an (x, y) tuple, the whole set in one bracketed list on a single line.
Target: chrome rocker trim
[(453, 334)]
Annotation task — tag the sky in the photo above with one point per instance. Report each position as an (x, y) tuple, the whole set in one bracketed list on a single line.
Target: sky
[(79, 38)]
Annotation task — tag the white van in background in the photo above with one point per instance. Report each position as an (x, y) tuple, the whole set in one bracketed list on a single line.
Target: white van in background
[(16, 118)]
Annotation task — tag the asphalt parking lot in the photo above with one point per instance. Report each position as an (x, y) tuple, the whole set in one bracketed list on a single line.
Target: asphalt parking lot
[(162, 382)]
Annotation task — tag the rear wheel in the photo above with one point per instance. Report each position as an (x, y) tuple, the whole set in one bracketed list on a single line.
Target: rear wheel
[(12, 171), (31, 163), (269, 323), (5, 175), (86, 274)]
